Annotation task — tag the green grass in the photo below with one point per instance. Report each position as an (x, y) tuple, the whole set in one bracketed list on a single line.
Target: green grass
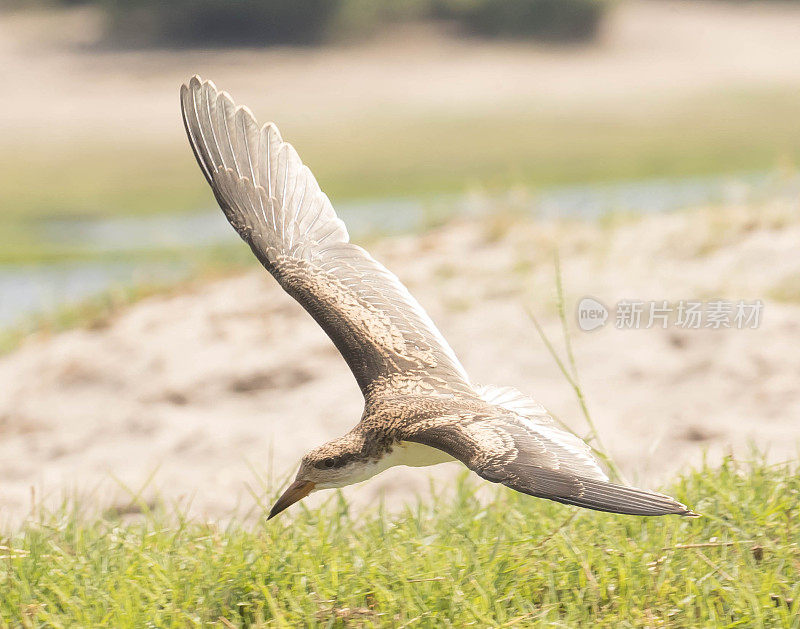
[(453, 561)]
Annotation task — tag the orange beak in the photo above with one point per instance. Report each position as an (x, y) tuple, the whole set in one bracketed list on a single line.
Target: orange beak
[(298, 490)]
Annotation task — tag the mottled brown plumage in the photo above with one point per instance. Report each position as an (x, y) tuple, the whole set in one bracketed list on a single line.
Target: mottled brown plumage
[(420, 407)]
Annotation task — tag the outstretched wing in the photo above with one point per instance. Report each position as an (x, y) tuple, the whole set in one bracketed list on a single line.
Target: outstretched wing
[(517, 444), (277, 207)]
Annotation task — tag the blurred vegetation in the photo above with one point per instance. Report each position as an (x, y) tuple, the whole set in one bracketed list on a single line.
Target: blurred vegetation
[(205, 23), (411, 157), (548, 20), (220, 22), (407, 155)]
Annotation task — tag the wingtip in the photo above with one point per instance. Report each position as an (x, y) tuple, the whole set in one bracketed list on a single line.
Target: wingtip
[(196, 82), (189, 86), (679, 508)]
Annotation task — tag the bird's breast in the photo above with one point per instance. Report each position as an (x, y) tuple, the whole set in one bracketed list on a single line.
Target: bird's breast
[(414, 455)]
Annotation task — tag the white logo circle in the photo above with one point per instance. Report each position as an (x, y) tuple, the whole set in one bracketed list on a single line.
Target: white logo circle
[(592, 314)]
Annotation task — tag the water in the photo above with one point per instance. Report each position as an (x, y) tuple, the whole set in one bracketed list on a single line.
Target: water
[(30, 289)]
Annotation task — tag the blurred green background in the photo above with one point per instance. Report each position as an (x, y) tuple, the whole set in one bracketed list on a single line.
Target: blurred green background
[(383, 100), (312, 22)]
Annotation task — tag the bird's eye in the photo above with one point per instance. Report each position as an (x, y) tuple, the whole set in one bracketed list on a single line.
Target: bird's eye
[(329, 462)]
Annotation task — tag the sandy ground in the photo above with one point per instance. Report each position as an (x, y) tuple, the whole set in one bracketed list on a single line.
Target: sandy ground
[(214, 387), (65, 87)]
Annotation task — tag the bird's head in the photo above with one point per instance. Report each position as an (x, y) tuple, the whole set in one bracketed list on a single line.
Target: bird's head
[(336, 464)]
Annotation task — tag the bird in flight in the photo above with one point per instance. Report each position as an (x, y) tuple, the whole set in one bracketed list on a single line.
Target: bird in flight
[(420, 407)]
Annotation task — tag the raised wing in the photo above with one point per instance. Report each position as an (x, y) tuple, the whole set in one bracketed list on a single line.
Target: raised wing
[(277, 207), (517, 444)]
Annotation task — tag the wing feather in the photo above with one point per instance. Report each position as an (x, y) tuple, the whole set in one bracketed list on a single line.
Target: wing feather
[(533, 458), (275, 204), (535, 423)]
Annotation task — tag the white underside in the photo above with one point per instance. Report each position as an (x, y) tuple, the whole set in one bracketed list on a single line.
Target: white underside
[(415, 455), (403, 453)]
